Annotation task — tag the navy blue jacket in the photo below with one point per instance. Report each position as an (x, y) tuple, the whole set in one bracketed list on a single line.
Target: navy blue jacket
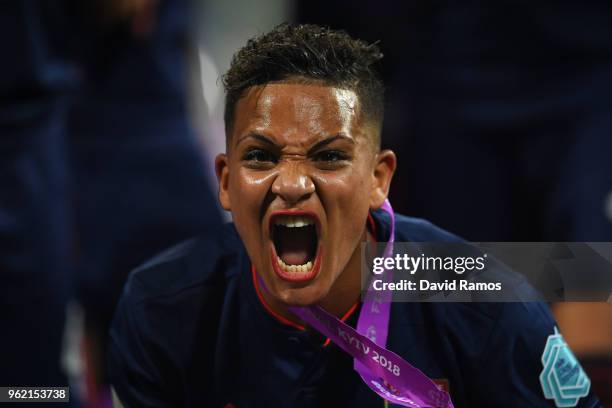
[(190, 330)]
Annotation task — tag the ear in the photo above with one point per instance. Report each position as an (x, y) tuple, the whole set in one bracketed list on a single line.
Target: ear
[(222, 170), (384, 168)]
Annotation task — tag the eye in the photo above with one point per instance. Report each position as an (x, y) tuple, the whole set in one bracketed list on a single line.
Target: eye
[(331, 156), (259, 156)]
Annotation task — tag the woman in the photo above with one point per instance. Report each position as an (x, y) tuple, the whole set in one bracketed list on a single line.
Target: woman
[(236, 318)]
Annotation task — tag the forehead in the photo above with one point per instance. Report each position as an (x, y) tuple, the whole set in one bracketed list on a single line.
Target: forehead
[(297, 112)]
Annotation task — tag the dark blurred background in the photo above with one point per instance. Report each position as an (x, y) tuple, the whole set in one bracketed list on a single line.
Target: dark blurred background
[(111, 112)]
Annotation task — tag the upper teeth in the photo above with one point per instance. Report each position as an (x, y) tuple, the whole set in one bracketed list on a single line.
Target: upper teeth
[(293, 221)]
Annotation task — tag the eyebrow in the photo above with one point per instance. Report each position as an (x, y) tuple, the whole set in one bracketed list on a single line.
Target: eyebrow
[(315, 147), (329, 140), (257, 136)]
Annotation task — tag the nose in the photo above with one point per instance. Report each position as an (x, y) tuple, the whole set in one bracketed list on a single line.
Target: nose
[(292, 183)]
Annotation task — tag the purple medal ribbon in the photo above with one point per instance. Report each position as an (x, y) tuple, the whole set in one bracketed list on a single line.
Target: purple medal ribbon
[(386, 373)]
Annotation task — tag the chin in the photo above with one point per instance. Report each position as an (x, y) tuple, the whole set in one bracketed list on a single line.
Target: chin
[(304, 296)]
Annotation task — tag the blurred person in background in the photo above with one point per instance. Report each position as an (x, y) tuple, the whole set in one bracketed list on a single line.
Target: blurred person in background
[(36, 81), (141, 181), (502, 114), (100, 169)]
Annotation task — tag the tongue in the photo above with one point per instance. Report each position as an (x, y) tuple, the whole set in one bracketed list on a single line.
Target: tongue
[(293, 245)]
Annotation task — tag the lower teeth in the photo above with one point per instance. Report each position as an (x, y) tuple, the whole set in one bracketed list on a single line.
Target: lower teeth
[(295, 268)]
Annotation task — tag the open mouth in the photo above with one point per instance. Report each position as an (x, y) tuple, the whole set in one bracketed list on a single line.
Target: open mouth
[(295, 250)]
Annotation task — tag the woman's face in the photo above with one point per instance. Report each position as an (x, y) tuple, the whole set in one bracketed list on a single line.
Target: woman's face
[(300, 175)]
